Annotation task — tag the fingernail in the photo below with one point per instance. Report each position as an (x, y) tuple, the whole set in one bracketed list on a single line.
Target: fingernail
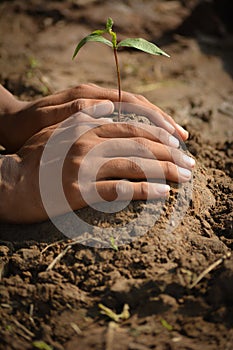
[(104, 108), (169, 127), (161, 189), (185, 173), (109, 120), (173, 142), (188, 160), (182, 130)]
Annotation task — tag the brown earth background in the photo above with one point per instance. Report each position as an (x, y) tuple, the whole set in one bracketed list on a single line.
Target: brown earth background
[(44, 306)]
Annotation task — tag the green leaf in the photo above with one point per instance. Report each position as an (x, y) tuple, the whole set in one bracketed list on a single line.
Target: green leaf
[(143, 45), (99, 32), (166, 325), (40, 344), (109, 24), (91, 37)]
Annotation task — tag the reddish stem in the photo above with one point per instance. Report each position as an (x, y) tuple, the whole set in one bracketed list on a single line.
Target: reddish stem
[(118, 82)]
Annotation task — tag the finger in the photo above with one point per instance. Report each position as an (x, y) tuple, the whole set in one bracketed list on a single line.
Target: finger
[(179, 130), (125, 130), (90, 91), (152, 114), (80, 118), (124, 190), (55, 114), (138, 168), (156, 115), (86, 91), (112, 190), (143, 148), (68, 95)]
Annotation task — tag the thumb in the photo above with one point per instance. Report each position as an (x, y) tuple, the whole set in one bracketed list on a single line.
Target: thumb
[(96, 108)]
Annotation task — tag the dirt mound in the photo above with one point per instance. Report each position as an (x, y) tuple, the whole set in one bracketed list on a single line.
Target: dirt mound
[(175, 272), (153, 274)]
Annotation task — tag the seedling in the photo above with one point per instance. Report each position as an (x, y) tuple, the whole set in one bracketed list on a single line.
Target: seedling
[(136, 43), (113, 243), (124, 315)]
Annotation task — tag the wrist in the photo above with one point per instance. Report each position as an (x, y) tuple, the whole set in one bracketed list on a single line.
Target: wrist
[(9, 178), (9, 103)]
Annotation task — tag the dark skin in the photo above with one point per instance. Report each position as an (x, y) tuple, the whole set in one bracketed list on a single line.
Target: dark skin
[(36, 121)]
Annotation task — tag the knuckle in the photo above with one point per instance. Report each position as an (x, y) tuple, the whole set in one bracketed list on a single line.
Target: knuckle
[(76, 162), (161, 134), (176, 155), (144, 189), (77, 105), (132, 130), (141, 146), (81, 87), (79, 90), (135, 164), (169, 169), (80, 148), (84, 145), (123, 188), (116, 164), (80, 104), (141, 141), (73, 107), (138, 96)]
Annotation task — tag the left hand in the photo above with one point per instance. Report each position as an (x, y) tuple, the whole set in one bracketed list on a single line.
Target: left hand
[(31, 117)]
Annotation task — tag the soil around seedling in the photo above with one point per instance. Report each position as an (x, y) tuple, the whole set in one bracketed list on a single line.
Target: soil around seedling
[(174, 272)]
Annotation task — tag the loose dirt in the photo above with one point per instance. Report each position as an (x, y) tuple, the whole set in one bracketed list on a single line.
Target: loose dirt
[(157, 270)]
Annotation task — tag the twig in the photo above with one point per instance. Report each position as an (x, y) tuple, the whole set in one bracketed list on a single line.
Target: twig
[(50, 245), (210, 268), (58, 258), (31, 310), (63, 253), (76, 328), (22, 334), (62, 240), (23, 328), (78, 241)]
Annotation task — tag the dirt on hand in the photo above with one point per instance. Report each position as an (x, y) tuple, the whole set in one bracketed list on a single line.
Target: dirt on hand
[(176, 271)]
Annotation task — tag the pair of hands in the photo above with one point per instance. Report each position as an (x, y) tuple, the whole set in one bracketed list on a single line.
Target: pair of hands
[(116, 150)]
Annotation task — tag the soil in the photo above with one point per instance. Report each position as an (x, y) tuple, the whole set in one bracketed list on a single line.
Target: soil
[(156, 271)]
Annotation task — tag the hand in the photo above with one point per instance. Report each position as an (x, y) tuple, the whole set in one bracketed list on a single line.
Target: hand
[(116, 150), (24, 119), (138, 104)]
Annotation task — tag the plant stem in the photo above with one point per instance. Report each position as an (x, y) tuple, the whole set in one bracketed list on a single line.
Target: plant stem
[(118, 82)]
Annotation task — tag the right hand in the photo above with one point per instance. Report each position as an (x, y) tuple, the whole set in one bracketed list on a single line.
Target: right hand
[(154, 150)]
